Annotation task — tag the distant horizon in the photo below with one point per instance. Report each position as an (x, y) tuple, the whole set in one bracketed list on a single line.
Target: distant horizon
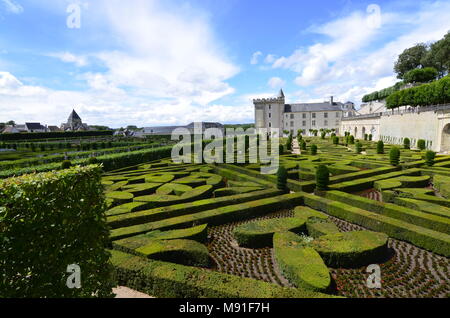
[(162, 63)]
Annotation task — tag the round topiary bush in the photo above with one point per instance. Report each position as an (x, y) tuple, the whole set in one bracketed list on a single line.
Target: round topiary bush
[(66, 164), (380, 147), (322, 178), (358, 147), (429, 157), (313, 150), (407, 143), (282, 176), (394, 156), (421, 144)]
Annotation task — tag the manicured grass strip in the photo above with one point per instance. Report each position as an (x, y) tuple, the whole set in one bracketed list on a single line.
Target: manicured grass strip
[(221, 215), (422, 237), (362, 174), (129, 219), (169, 280), (301, 264), (366, 183), (434, 222)]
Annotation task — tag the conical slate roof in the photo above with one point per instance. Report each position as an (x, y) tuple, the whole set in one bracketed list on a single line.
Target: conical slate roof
[(281, 94), (73, 116)]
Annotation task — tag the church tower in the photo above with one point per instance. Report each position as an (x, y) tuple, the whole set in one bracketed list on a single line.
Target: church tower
[(269, 113)]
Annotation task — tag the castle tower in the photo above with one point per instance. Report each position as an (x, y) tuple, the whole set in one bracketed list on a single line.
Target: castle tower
[(269, 112)]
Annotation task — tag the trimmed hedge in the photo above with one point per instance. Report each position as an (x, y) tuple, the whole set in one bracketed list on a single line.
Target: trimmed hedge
[(351, 249), (59, 134), (49, 221), (162, 279), (442, 184), (259, 234), (422, 237), (179, 251), (411, 216), (121, 216), (301, 264), (221, 215)]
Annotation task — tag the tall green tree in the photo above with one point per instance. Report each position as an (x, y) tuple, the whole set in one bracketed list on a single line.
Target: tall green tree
[(410, 59), (439, 56)]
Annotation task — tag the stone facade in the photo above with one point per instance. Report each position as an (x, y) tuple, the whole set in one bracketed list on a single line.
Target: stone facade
[(274, 113), (431, 123)]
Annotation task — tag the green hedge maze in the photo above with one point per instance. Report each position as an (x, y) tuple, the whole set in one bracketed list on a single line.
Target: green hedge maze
[(225, 230)]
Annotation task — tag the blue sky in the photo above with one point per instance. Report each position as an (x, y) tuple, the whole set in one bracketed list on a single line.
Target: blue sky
[(153, 62)]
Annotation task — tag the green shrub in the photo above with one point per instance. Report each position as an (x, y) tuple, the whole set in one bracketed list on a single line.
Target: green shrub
[(323, 134), (358, 147), (407, 143), (421, 75), (322, 178), (370, 137), (394, 156), (301, 264), (429, 157), (259, 234), (313, 150), (281, 149), (303, 145), (366, 136), (336, 140), (169, 280), (421, 144), (49, 221), (66, 164), (282, 178), (351, 249), (351, 140), (92, 161), (380, 147)]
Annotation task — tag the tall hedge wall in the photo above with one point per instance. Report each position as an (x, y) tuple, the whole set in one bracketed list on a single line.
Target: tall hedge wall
[(59, 134), (437, 92), (47, 222)]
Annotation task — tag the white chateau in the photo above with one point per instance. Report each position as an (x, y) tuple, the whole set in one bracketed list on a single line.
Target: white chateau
[(276, 114)]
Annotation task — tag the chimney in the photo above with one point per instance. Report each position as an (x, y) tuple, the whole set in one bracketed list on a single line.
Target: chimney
[(331, 100)]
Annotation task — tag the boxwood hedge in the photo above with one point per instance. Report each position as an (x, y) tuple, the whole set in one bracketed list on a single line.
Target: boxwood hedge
[(49, 221)]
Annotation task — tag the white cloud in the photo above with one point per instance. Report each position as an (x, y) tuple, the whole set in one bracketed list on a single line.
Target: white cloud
[(12, 7), (255, 57), (276, 82), (357, 58), (167, 68), (270, 58), (68, 57)]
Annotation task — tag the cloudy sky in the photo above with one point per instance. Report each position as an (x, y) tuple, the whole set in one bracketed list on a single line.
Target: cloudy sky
[(150, 62)]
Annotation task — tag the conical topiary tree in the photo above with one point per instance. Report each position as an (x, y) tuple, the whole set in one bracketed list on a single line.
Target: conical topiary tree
[(351, 140), (303, 145), (407, 143), (282, 176), (313, 150), (358, 147), (66, 164), (322, 178), (380, 147), (336, 140), (429, 157), (394, 156), (281, 149)]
